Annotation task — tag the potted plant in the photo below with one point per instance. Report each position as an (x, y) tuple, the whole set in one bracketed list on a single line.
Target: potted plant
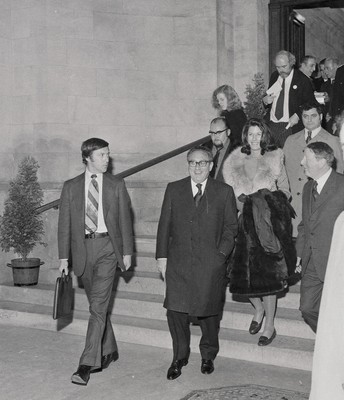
[(253, 106), (21, 226)]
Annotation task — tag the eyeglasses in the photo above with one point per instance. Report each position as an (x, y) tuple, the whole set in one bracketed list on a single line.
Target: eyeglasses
[(217, 132), (199, 163)]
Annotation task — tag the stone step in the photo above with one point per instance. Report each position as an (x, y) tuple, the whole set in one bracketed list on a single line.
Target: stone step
[(284, 351), (145, 279), (235, 315)]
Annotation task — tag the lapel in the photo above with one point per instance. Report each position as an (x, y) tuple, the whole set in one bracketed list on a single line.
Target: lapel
[(327, 191), (78, 201), (108, 198), (208, 197)]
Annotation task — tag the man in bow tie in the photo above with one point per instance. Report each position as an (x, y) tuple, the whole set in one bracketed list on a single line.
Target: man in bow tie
[(196, 232), (95, 228), (322, 202)]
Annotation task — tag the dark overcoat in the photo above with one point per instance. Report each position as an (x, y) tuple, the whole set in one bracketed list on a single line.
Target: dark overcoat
[(196, 243)]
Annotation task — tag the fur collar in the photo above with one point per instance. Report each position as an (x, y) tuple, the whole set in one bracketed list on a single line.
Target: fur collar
[(268, 170)]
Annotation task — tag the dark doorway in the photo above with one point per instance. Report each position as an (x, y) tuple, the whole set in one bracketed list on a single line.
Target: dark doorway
[(286, 28)]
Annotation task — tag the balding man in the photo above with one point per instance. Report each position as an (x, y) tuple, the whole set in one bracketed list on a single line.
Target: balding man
[(220, 145), (288, 89)]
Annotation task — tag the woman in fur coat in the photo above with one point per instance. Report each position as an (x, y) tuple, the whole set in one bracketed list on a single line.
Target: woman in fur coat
[(259, 263)]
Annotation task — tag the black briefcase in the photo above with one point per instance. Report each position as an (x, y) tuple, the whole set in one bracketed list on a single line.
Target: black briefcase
[(64, 296)]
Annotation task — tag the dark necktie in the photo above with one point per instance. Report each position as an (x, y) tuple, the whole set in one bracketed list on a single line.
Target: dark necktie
[(198, 195), (315, 191), (280, 103), (309, 136), (91, 217), (215, 161)]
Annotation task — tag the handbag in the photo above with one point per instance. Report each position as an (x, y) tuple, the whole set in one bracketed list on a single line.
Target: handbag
[(63, 297)]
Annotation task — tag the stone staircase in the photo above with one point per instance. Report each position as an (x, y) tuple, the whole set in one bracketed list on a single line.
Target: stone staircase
[(138, 316)]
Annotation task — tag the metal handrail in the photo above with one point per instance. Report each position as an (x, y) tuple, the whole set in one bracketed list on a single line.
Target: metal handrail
[(139, 168)]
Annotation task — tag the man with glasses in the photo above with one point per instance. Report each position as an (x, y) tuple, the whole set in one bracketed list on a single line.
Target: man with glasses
[(220, 145), (196, 232)]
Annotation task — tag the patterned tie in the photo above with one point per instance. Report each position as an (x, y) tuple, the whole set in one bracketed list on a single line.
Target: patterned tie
[(215, 161), (91, 219), (309, 136), (280, 103), (315, 191), (198, 195)]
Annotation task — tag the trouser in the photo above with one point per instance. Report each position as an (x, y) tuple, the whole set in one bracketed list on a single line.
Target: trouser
[(279, 132), (310, 296), (98, 279), (179, 325)]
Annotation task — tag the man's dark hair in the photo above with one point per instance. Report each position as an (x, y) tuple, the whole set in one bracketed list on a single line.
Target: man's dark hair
[(90, 145), (310, 105), (322, 150), (304, 59), (200, 148)]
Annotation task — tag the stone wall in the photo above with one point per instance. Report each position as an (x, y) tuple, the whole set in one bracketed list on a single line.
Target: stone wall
[(324, 32), (137, 73)]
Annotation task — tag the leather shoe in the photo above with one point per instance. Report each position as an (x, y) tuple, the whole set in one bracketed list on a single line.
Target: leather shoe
[(175, 369), (82, 375), (107, 360), (264, 341), (255, 326), (207, 366)]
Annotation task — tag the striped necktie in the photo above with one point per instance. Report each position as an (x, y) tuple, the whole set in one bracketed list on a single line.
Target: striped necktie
[(309, 136), (91, 218), (198, 195)]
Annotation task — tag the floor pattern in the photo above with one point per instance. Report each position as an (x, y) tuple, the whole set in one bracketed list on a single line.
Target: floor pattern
[(246, 392)]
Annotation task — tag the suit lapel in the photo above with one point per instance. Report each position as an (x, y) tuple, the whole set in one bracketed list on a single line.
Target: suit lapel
[(327, 191), (107, 196), (208, 196), (79, 201)]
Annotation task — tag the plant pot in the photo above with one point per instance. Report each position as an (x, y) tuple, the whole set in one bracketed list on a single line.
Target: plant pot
[(25, 272)]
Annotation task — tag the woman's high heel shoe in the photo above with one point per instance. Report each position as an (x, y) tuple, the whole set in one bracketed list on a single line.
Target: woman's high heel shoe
[(255, 326)]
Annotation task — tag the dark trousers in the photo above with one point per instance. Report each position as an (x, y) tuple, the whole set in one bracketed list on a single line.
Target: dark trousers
[(310, 296), (279, 133), (98, 281), (179, 325)]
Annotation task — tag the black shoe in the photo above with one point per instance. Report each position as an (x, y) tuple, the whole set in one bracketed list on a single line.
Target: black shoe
[(175, 369), (207, 366), (107, 360), (255, 326), (264, 341), (82, 375)]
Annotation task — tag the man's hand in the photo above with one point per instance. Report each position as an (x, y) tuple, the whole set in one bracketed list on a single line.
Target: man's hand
[(298, 268), (268, 99), (63, 266), (293, 120), (161, 265), (127, 262)]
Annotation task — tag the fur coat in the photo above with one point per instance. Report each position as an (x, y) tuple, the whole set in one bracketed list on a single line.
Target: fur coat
[(264, 255), (271, 173), (255, 268)]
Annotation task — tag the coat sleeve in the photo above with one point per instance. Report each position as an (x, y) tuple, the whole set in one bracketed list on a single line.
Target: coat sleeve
[(337, 150), (230, 224), (64, 224), (282, 180), (125, 220), (163, 235)]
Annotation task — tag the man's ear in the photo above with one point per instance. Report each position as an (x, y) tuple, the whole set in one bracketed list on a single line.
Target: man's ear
[(228, 132)]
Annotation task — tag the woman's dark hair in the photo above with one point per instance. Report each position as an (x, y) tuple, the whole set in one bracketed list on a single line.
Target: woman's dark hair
[(266, 142), (89, 145)]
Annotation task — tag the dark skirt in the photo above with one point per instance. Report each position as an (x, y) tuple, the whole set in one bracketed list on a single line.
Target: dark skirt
[(263, 260)]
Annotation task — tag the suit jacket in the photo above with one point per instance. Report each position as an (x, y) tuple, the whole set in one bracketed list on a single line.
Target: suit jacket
[(71, 224), (293, 153), (196, 243), (337, 102), (230, 148), (316, 228), (300, 92)]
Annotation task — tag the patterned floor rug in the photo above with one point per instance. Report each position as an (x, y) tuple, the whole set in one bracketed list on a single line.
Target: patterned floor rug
[(246, 392)]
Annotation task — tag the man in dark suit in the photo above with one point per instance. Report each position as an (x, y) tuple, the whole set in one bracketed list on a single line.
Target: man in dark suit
[(322, 202), (196, 232), (220, 145), (337, 103), (288, 89), (95, 228)]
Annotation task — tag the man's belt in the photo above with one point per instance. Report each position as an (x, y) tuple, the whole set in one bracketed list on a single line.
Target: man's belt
[(96, 235)]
